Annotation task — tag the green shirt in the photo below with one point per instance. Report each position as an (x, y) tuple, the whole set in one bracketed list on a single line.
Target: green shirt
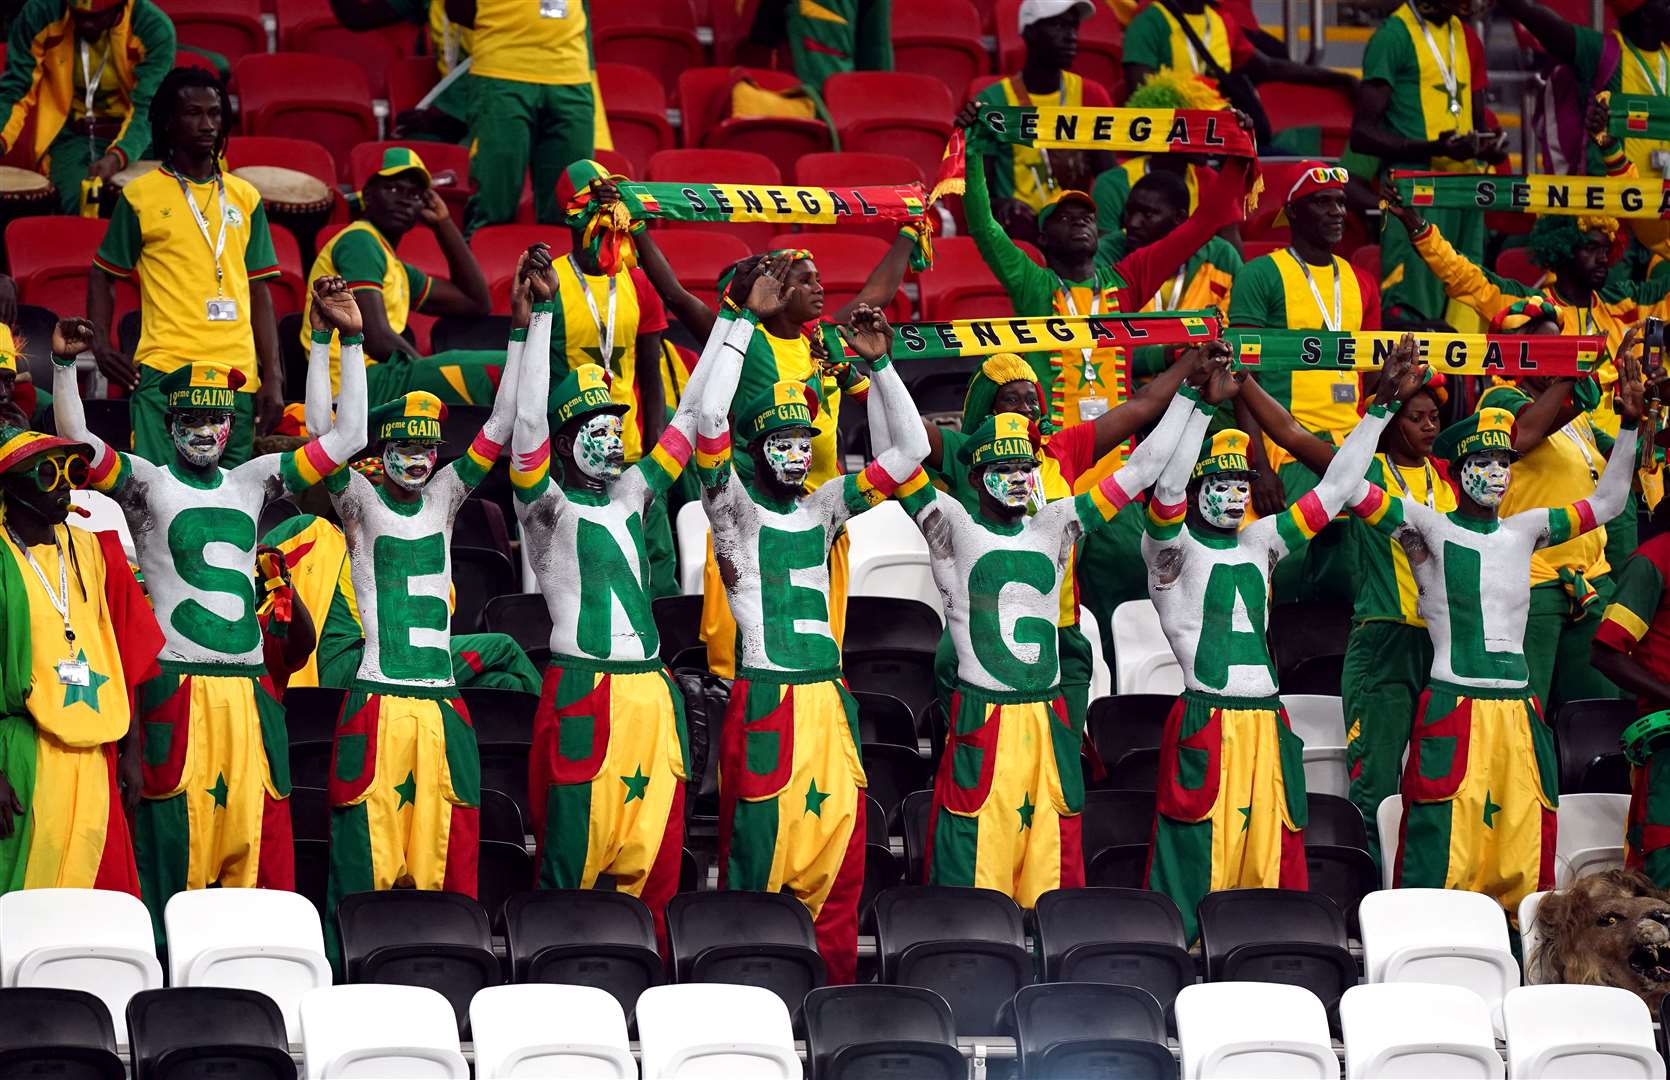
[(1398, 55)]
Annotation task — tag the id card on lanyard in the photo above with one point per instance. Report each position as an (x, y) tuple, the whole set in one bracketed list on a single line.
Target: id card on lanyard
[(1344, 392), (1090, 407), (219, 307), (553, 9)]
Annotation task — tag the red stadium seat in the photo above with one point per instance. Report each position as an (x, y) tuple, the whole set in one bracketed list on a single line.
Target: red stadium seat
[(302, 155), (1367, 258), (1252, 249), (1291, 106), (961, 285), (289, 292), (637, 109), (1515, 263), (892, 112), (231, 28), (730, 36), (322, 98), (858, 169), (657, 35), (942, 40), (448, 164), (704, 102), (699, 256), (409, 78), (722, 167), (309, 26), (497, 247), (50, 257), (844, 264), (1101, 46)]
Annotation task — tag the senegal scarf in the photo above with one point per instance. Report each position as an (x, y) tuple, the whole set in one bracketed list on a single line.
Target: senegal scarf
[(983, 337), (1582, 196), (1638, 117), (1507, 355), (605, 231)]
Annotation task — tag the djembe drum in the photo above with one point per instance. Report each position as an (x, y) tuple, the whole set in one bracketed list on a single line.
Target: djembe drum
[(300, 202), (25, 193), (121, 179)]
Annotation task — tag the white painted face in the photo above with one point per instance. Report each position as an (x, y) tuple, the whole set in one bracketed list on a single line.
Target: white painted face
[(599, 449), (201, 436), (1011, 483), (1484, 477), (789, 453), (409, 464), (1223, 500)]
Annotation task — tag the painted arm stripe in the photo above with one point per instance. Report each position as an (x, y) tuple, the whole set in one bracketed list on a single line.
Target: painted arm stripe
[(106, 471), (1309, 515), (713, 445), (705, 460), (484, 452), (875, 479), (313, 463), (1585, 516), (1373, 506), (1109, 497), (1166, 513), (527, 470), (673, 446), (915, 482), (1624, 619)]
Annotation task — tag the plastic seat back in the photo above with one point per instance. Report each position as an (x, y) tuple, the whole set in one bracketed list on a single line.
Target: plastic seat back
[(546, 1030), (187, 1033), (1119, 723), (879, 1029), (715, 1029), (751, 938), (1334, 820), (887, 623), (700, 255), (657, 35), (1113, 817), (253, 939), (522, 616), (1439, 936), (50, 1031), (500, 715), (1277, 936), (1111, 935), (1530, 938), (1091, 1029), (1388, 822), (966, 944), (374, 1032), (411, 937), (1318, 719), (1344, 875), (1579, 1031), (1409, 1029), (586, 936), (306, 96), (1241, 1029), (1144, 663), (883, 718)]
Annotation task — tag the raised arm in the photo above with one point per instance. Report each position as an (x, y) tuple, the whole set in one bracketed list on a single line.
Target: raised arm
[(1313, 453), (1565, 522), (1221, 204), (70, 338), (332, 445), (530, 444), (1463, 279), (713, 421), (696, 316), (1024, 280), (1552, 31), (882, 285), (1118, 424)]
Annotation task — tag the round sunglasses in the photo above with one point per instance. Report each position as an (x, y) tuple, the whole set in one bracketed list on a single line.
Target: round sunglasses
[(52, 473)]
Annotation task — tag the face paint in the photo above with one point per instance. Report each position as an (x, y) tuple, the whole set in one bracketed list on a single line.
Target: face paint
[(599, 450), (201, 437), (1484, 478), (1223, 501), (409, 464), (790, 457), (1010, 483)]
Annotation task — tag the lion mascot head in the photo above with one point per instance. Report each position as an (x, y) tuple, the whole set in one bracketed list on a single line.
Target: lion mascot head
[(1608, 929)]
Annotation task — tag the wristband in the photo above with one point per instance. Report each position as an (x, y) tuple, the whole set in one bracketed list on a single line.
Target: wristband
[(881, 363), (357, 339), (63, 361), (1379, 411), (749, 315), (322, 337), (546, 306), (1190, 392), (1626, 424)]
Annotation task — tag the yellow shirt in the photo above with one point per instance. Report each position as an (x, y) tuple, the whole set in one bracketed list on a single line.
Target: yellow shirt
[(1639, 75), (576, 338), (1034, 183), (514, 41), (1322, 401), (107, 94)]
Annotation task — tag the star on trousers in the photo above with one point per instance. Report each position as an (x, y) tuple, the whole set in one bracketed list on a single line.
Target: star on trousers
[(1025, 811), (636, 784), (407, 790), (219, 791), (1490, 811), (815, 798)]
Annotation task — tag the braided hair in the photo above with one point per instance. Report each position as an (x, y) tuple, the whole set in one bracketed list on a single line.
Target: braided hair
[(167, 100)]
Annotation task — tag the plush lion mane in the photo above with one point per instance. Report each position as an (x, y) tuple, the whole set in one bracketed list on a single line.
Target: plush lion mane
[(1606, 930)]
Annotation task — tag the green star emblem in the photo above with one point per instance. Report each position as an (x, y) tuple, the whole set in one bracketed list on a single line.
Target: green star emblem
[(88, 695), (815, 798), (1246, 816), (636, 784), (407, 790), (1025, 811), (219, 791), (1088, 375), (612, 365), (1490, 810)]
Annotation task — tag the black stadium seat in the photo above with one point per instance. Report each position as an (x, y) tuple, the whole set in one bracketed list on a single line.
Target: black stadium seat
[(501, 818), (503, 870), (1334, 821), (62, 1034), (310, 762), (883, 718), (888, 623), (310, 813), (585, 936), (967, 945), (872, 1032), (1138, 770), (412, 937), (916, 814), (1585, 730), (894, 772), (1123, 722), (1344, 875), (200, 1032), (1277, 935), (478, 575), (500, 715), (1079, 1029), (1115, 817), (758, 938), (311, 712), (504, 767), (1123, 866), (522, 617), (1303, 631), (678, 621), (1129, 936)]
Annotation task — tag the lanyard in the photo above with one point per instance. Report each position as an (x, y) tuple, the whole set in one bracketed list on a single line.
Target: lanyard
[(1447, 74), (1205, 40), (605, 333), (1660, 85), (1431, 482), (91, 80), (61, 600), (218, 245), (1589, 325), (1582, 444), (1160, 303), (1090, 377), (1332, 324)]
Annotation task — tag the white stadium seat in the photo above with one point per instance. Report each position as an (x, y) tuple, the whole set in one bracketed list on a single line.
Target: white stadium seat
[(1248, 1029), (1318, 719), (1573, 1032), (1530, 934), (252, 939), (1388, 822), (691, 528), (540, 1030), (1417, 1030), (1326, 771), (95, 940), (1101, 682), (888, 557), (1143, 660), (1441, 936), (1591, 834), (380, 1032), (715, 1030)]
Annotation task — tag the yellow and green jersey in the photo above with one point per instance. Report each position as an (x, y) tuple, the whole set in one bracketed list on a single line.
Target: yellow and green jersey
[(1635, 73), (625, 302), (514, 41), (1386, 589), (771, 359), (1112, 190), (1028, 177), (1155, 39), (1413, 57), (362, 257)]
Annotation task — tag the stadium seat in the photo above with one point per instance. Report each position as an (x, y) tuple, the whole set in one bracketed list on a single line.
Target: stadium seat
[(1138, 770), (678, 621), (50, 257), (1326, 771), (300, 154), (48, 1031), (881, 621), (658, 36), (699, 256), (500, 715), (504, 767), (1091, 1029), (1334, 820), (309, 26), (1590, 836), (380, 1031), (412, 937), (504, 869), (1101, 46), (715, 1029), (704, 101), (888, 557), (637, 105), (501, 822), (586, 936), (1515, 264), (522, 616), (252, 939), (231, 28), (409, 79), (915, 816), (1124, 866), (869, 1031), (1129, 936), (1300, 631), (1122, 722), (755, 938), (1290, 105), (311, 712), (894, 772), (313, 872), (907, 674), (1584, 730), (941, 40), (892, 111), (1115, 816), (97, 940), (1318, 675), (1410, 1029), (961, 285), (731, 165), (1318, 719), (966, 944), (1367, 259), (448, 165), (310, 813), (549, 1030), (1439, 936), (478, 575), (1530, 936), (190, 1032), (853, 168), (323, 98), (289, 290), (1277, 936), (883, 718), (845, 262), (1240, 1029), (1143, 661), (1560, 1031), (1388, 824), (1343, 874), (103, 513)]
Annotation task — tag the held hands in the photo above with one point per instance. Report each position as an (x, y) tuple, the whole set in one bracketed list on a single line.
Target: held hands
[(334, 308), (1222, 381), (72, 337), (434, 212), (1402, 375), (868, 334), (541, 272), (1597, 120)]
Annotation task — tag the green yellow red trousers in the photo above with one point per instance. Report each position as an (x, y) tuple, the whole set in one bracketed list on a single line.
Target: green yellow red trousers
[(1071, 646), (830, 36), (1647, 835), (1480, 793), (1386, 668), (606, 779), (73, 833), (791, 801), (518, 125), (1008, 796), (1230, 806), (405, 794), (216, 807)]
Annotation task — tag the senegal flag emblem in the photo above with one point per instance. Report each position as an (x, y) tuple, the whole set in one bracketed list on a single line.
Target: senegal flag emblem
[(1251, 351), (1423, 194), (649, 202), (1637, 121)]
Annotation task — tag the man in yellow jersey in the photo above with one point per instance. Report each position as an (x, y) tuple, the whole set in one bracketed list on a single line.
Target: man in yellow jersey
[(76, 638), (450, 45), (195, 240), (531, 101), (1306, 286), (1024, 180), (397, 198)]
